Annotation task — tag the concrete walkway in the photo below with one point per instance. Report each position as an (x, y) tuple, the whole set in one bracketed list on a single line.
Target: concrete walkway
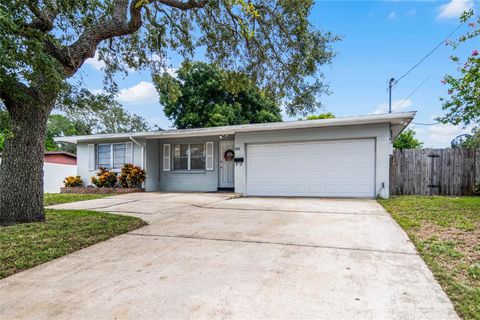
[(206, 256)]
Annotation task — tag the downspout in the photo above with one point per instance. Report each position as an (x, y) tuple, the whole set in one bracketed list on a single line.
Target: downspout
[(143, 151), (142, 148)]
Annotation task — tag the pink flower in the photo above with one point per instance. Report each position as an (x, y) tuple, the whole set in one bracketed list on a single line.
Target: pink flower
[(450, 91), (471, 24), (443, 81), (475, 53)]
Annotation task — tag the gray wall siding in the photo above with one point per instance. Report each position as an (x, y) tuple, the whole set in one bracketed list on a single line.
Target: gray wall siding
[(188, 180), (381, 132), (159, 180), (152, 165), (82, 158)]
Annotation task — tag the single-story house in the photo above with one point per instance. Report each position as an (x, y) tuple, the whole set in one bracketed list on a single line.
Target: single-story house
[(340, 157), (56, 166)]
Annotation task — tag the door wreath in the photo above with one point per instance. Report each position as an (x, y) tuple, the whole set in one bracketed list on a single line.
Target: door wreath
[(228, 155)]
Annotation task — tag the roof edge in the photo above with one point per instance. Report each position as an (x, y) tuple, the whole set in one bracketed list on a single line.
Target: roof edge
[(397, 118)]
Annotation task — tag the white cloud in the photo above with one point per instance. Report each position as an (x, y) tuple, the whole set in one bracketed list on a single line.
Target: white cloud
[(397, 105), (454, 9), (98, 64), (439, 135), (412, 12), (393, 15), (95, 63), (143, 92)]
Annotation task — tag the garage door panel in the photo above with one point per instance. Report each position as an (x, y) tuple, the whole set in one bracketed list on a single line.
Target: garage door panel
[(342, 168)]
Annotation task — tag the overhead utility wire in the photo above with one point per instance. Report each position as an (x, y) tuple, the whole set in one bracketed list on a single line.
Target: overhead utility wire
[(394, 81), (429, 54), (419, 86)]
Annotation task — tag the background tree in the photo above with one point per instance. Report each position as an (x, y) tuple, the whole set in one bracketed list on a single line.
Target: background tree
[(45, 43), (57, 126), (327, 115), (4, 126), (203, 95), (99, 113), (407, 140), (87, 114), (467, 141), (463, 101)]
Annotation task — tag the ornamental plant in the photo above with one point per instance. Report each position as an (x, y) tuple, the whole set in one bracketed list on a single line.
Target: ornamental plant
[(131, 176), (73, 181), (104, 178), (462, 105)]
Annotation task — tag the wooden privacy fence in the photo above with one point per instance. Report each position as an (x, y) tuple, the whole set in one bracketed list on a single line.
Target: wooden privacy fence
[(451, 172)]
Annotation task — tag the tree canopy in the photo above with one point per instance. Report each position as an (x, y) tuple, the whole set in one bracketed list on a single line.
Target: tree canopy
[(44, 42), (407, 140), (463, 101), (204, 95), (326, 115)]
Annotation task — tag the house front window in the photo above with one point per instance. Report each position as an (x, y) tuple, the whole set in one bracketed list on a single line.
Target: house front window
[(189, 156), (111, 155)]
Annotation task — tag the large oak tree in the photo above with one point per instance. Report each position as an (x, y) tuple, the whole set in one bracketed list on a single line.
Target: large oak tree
[(44, 43)]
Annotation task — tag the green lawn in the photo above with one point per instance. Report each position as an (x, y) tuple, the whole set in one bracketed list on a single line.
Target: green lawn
[(446, 232), (58, 198), (24, 246)]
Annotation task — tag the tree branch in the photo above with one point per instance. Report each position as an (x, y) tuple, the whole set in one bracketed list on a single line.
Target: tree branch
[(190, 4), (72, 57), (15, 93)]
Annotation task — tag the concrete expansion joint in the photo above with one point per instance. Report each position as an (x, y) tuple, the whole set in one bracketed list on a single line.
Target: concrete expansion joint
[(113, 205), (193, 237), (129, 211), (368, 213)]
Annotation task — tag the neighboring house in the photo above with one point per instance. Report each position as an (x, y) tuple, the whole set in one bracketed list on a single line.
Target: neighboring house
[(340, 157), (57, 166)]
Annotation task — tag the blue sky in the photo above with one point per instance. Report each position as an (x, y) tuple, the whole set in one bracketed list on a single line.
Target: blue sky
[(381, 39)]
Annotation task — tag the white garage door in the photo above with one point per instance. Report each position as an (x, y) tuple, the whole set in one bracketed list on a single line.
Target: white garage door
[(338, 168)]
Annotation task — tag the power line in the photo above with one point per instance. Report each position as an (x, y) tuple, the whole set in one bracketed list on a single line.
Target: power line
[(425, 124), (430, 53), (419, 86), (394, 81)]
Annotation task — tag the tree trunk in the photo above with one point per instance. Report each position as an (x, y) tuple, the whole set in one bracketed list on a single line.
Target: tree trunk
[(21, 169)]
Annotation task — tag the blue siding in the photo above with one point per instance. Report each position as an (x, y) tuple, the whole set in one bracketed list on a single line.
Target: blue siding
[(180, 180)]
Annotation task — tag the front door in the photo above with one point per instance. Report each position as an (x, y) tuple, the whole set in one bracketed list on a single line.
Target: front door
[(226, 164)]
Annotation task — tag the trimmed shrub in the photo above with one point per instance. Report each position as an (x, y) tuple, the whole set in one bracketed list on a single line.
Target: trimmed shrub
[(131, 176), (73, 181), (104, 178)]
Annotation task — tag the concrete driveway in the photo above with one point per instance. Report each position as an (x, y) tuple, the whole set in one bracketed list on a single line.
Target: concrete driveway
[(209, 256)]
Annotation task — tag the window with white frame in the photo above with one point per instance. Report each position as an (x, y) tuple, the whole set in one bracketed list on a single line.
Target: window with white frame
[(111, 155), (189, 156)]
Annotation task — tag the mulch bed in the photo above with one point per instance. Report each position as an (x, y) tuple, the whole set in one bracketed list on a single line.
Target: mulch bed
[(91, 190)]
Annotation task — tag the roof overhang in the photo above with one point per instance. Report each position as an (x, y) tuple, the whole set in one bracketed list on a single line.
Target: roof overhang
[(398, 121)]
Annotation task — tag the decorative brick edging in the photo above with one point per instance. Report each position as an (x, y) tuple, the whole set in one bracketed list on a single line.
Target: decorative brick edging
[(85, 190)]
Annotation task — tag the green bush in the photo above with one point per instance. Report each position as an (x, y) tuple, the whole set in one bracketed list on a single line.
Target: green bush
[(73, 181), (104, 178), (131, 176)]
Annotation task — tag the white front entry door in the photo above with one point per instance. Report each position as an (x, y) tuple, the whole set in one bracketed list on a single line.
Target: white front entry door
[(337, 168), (226, 165)]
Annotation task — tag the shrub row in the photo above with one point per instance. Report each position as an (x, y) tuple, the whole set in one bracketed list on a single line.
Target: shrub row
[(131, 176)]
